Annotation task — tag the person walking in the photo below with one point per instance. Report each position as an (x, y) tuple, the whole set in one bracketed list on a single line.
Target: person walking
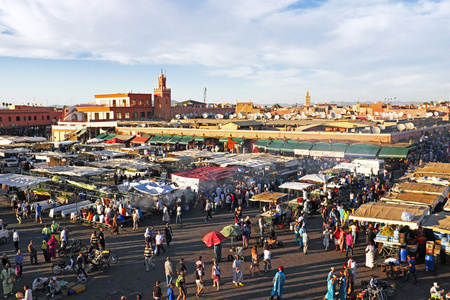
[(16, 239), (169, 271), (33, 253), (267, 257), (342, 286), (135, 220), (159, 239), (215, 274), (326, 235), (300, 233), (296, 229), (178, 217), (101, 239), (181, 267), (19, 264), (45, 251), (331, 288), (157, 293), (262, 224), (370, 255), (237, 271), (52, 246), (168, 234), (208, 208), (148, 258), (94, 241), (199, 280), (305, 239), (278, 284), (79, 264), (411, 269), (38, 213), (255, 262), (181, 285), (170, 292)]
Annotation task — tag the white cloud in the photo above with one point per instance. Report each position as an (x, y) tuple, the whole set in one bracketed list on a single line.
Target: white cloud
[(334, 45)]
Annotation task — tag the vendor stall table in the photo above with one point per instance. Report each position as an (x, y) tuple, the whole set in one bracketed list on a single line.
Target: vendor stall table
[(388, 249)]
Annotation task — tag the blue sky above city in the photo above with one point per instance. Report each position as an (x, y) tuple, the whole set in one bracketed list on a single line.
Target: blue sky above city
[(64, 52)]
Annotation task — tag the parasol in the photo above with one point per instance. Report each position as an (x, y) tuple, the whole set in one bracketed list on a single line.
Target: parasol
[(213, 238), (231, 231)]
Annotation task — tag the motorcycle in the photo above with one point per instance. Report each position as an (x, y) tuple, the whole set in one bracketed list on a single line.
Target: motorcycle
[(106, 256), (96, 263), (61, 265), (389, 288)]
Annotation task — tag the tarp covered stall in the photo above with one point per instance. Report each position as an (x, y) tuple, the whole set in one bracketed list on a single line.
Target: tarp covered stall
[(318, 178), (164, 139), (426, 188), (94, 141), (21, 181), (439, 222), (125, 164), (140, 140), (389, 213), (261, 143), (185, 140), (393, 152), (268, 197), (328, 150), (174, 140), (106, 153), (434, 169), (72, 171), (275, 145), (148, 187), (413, 199), (303, 148), (154, 139), (194, 177), (295, 186), (362, 150)]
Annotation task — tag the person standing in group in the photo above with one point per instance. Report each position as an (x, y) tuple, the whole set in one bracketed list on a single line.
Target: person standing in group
[(63, 238), (208, 208), (411, 269), (326, 235), (135, 220), (159, 240), (278, 284), (215, 274), (101, 239), (181, 285), (178, 217), (267, 259), (33, 253), (169, 271), (52, 246), (28, 293), (16, 239), (348, 244), (168, 234), (54, 227), (255, 261), (305, 239), (181, 267), (342, 286), (148, 257), (237, 271), (38, 213), (94, 241), (331, 288), (79, 264), (300, 233), (166, 216), (262, 224), (370, 255), (157, 293), (352, 266), (46, 232), (199, 280), (45, 251), (19, 264), (296, 229), (7, 277)]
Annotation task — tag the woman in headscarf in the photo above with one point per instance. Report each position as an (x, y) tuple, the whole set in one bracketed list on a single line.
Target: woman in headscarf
[(331, 285), (52, 246), (342, 286), (8, 277), (45, 252)]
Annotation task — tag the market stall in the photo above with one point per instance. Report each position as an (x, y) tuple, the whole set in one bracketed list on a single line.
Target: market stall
[(413, 199), (294, 189), (422, 188), (21, 182), (194, 178), (393, 216), (270, 197)]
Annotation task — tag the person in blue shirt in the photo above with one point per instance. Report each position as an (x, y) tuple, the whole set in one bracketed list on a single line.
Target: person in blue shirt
[(38, 213), (278, 283), (170, 292), (411, 269)]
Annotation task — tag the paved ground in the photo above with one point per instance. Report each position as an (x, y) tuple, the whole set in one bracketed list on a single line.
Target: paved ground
[(305, 275)]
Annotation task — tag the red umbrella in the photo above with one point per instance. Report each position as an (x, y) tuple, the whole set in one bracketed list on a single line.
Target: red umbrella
[(213, 238)]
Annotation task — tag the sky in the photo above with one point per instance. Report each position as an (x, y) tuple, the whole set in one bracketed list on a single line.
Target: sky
[(65, 52)]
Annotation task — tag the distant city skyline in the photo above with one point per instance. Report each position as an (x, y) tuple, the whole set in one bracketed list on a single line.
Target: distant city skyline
[(65, 52)]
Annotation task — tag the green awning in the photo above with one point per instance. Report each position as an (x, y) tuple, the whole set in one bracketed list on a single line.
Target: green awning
[(275, 145), (165, 138), (238, 140), (338, 147), (81, 132), (154, 139), (328, 150), (261, 143), (321, 147), (109, 136), (175, 139), (101, 136), (185, 140), (223, 140), (393, 152), (362, 150), (146, 135), (289, 146), (199, 139)]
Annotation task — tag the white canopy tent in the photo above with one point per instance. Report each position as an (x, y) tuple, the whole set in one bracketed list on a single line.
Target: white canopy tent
[(21, 181), (318, 178), (72, 171), (126, 164), (151, 187), (295, 185)]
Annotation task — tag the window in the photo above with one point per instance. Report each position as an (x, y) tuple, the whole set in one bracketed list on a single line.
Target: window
[(17, 118), (147, 101), (48, 117), (127, 115), (29, 118), (96, 116), (142, 114), (9, 119), (42, 117), (35, 118), (1, 119), (119, 115), (133, 102), (24, 118), (114, 103), (140, 102), (135, 115), (149, 114)]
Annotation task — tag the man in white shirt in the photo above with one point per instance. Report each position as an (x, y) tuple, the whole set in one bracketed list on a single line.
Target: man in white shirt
[(63, 238), (178, 218), (16, 239), (267, 256), (28, 293), (159, 239)]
